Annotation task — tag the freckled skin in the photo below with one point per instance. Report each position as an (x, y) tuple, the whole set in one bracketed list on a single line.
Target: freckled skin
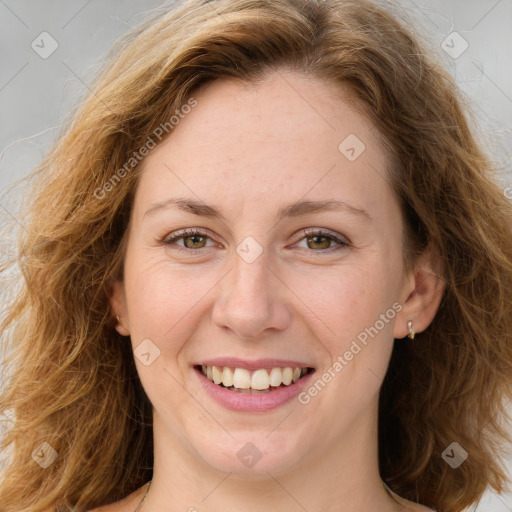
[(249, 150)]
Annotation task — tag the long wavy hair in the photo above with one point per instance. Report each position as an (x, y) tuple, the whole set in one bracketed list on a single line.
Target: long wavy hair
[(70, 378)]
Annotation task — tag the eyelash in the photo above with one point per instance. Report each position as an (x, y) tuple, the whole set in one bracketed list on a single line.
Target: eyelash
[(311, 232)]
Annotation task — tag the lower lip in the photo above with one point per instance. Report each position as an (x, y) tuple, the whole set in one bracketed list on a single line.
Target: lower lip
[(243, 402)]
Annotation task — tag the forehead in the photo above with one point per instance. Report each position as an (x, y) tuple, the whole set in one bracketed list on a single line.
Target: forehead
[(287, 137)]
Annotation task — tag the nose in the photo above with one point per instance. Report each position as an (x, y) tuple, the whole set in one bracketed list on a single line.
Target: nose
[(251, 299)]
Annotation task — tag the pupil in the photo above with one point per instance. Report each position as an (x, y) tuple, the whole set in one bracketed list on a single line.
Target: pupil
[(316, 239), (194, 237)]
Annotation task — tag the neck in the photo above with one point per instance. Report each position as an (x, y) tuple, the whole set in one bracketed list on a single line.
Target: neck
[(345, 478)]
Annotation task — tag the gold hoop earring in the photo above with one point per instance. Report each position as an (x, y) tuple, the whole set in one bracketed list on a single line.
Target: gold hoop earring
[(411, 331)]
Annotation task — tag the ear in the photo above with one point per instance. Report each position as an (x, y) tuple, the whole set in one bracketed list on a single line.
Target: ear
[(421, 294), (117, 301)]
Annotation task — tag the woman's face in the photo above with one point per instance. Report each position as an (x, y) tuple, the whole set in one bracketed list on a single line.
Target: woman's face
[(270, 277)]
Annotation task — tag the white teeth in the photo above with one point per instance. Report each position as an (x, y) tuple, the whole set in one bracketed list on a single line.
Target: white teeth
[(259, 380), (241, 378), (217, 375), (227, 377), (287, 376), (276, 377)]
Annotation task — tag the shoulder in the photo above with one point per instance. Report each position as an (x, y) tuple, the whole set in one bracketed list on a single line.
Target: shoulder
[(410, 506), (127, 504), (416, 507)]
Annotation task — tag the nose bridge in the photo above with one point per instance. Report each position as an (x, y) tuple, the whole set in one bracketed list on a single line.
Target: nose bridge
[(249, 300), (250, 277), (249, 284)]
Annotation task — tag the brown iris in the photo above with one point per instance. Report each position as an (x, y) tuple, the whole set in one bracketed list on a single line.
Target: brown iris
[(318, 237), (195, 237)]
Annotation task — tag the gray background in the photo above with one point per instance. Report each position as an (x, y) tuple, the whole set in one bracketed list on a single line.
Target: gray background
[(36, 93)]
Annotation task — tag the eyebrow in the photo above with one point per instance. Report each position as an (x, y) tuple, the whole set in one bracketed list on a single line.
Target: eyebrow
[(296, 209)]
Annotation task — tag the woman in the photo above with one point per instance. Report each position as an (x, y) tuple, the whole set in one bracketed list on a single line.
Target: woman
[(266, 267)]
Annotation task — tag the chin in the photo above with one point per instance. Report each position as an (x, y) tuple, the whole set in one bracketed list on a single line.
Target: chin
[(252, 455)]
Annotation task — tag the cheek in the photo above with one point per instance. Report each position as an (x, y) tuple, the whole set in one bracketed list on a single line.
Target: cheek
[(165, 307), (355, 305), (163, 299), (357, 314), (345, 300)]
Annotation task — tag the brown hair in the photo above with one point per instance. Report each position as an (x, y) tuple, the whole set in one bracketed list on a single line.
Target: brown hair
[(70, 379)]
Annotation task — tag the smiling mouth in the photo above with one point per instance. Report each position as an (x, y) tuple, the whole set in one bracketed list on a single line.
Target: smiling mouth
[(260, 381)]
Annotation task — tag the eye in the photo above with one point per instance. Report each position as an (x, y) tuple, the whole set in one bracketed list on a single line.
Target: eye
[(322, 239), (194, 238)]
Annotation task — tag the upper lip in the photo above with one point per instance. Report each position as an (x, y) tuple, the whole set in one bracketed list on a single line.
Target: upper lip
[(234, 362)]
